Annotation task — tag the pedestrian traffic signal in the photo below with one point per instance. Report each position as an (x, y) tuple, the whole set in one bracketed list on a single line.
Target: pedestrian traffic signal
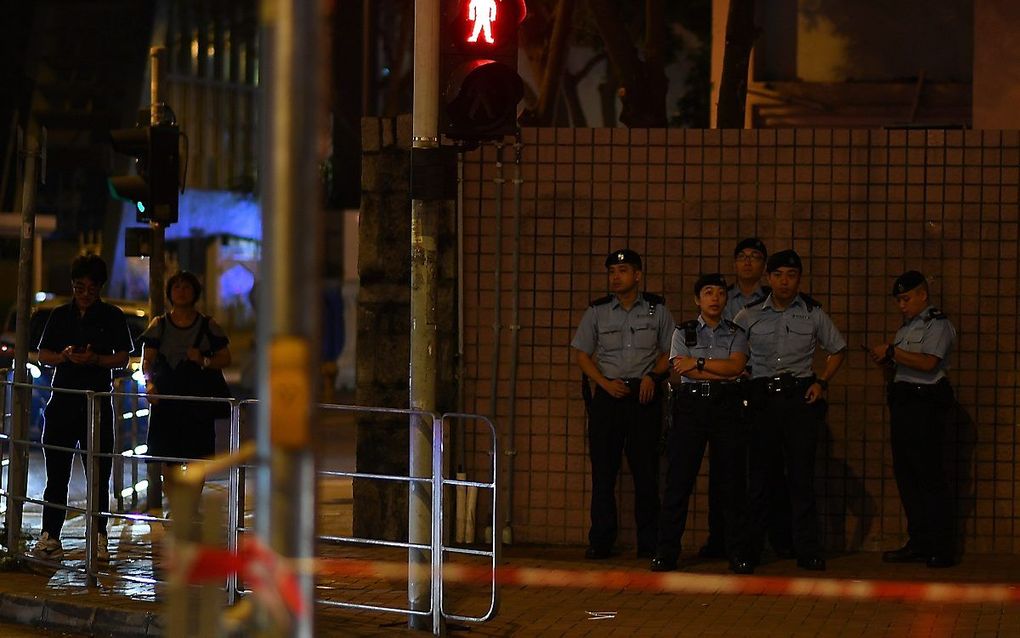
[(154, 187), (479, 84)]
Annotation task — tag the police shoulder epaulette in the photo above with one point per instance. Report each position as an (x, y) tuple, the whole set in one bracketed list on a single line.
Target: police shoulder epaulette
[(935, 313), (734, 325), (602, 300), (653, 299), (693, 323), (756, 301), (811, 302)]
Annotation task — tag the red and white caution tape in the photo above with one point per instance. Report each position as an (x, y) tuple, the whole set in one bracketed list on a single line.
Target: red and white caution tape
[(687, 583), (265, 571)]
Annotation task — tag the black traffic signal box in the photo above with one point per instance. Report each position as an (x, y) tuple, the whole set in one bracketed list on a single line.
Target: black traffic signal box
[(479, 85), (155, 187)]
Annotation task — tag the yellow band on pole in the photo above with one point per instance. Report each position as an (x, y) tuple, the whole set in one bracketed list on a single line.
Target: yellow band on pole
[(289, 392)]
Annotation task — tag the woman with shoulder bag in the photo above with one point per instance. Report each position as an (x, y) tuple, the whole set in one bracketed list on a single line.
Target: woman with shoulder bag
[(182, 351)]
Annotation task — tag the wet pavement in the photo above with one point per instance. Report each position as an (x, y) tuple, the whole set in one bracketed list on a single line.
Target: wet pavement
[(61, 600), (127, 603)]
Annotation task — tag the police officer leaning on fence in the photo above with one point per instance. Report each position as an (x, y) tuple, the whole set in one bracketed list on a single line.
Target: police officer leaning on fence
[(622, 345), (920, 400), (708, 356), (787, 399)]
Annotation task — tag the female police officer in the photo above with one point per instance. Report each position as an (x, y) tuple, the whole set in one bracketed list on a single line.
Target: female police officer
[(708, 355)]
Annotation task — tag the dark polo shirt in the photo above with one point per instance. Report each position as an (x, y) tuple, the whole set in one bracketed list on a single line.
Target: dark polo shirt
[(103, 327)]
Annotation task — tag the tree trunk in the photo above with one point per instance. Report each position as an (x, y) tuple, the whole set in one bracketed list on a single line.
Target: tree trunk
[(554, 63), (568, 85), (644, 100), (740, 36)]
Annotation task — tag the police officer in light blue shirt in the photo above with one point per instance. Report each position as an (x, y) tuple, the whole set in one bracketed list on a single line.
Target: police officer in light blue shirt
[(920, 402), (787, 399), (749, 265), (708, 356), (622, 345), (749, 255)]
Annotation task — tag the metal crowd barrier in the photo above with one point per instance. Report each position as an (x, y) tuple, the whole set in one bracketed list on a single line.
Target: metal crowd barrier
[(133, 406)]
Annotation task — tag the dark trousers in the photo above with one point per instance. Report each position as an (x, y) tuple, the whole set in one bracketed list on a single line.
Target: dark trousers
[(918, 416), (780, 535), (698, 422), (66, 425), (615, 427), (784, 442)]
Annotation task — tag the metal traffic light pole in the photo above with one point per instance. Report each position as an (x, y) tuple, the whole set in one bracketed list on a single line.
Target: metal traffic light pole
[(22, 397), (289, 300), (422, 387), (157, 261)]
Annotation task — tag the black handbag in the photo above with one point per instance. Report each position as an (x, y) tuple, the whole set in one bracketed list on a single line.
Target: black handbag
[(191, 379), (211, 382)]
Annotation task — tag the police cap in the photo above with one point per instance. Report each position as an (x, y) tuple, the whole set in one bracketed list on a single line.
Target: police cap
[(907, 282), (753, 243), (784, 259), (624, 256), (712, 279)]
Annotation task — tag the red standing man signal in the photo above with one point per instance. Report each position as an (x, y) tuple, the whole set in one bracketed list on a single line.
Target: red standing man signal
[(483, 14)]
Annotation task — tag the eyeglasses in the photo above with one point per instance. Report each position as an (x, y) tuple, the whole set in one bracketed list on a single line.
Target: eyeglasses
[(750, 257), (83, 289)]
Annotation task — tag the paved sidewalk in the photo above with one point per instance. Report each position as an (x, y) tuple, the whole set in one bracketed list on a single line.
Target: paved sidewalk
[(61, 601)]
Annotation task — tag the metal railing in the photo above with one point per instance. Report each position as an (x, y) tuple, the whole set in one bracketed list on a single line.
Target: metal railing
[(129, 451)]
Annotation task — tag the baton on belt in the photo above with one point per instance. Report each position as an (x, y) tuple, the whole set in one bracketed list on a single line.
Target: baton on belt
[(586, 394)]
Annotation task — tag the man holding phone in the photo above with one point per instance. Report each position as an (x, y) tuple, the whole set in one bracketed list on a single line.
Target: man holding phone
[(85, 340)]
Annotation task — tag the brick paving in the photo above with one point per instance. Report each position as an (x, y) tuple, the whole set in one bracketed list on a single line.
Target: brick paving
[(60, 600)]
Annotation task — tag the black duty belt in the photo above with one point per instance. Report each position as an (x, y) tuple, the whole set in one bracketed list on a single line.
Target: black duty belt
[(783, 383), (633, 383), (923, 390), (707, 390)]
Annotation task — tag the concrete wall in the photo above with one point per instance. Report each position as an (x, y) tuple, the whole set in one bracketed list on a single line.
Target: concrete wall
[(860, 206), (996, 64)]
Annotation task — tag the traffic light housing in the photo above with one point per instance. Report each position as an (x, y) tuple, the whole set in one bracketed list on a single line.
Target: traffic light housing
[(479, 84), (154, 188)]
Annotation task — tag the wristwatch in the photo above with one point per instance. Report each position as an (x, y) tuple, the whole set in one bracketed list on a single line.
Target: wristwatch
[(701, 363)]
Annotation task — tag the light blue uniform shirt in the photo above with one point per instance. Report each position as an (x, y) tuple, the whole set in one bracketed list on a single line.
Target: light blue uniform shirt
[(713, 343), (784, 341), (930, 332), (624, 343), (736, 300)]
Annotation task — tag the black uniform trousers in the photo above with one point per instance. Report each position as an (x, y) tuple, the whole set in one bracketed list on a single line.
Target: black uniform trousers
[(66, 425), (703, 417), (615, 427), (780, 535), (918, 416), (784, 442)]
